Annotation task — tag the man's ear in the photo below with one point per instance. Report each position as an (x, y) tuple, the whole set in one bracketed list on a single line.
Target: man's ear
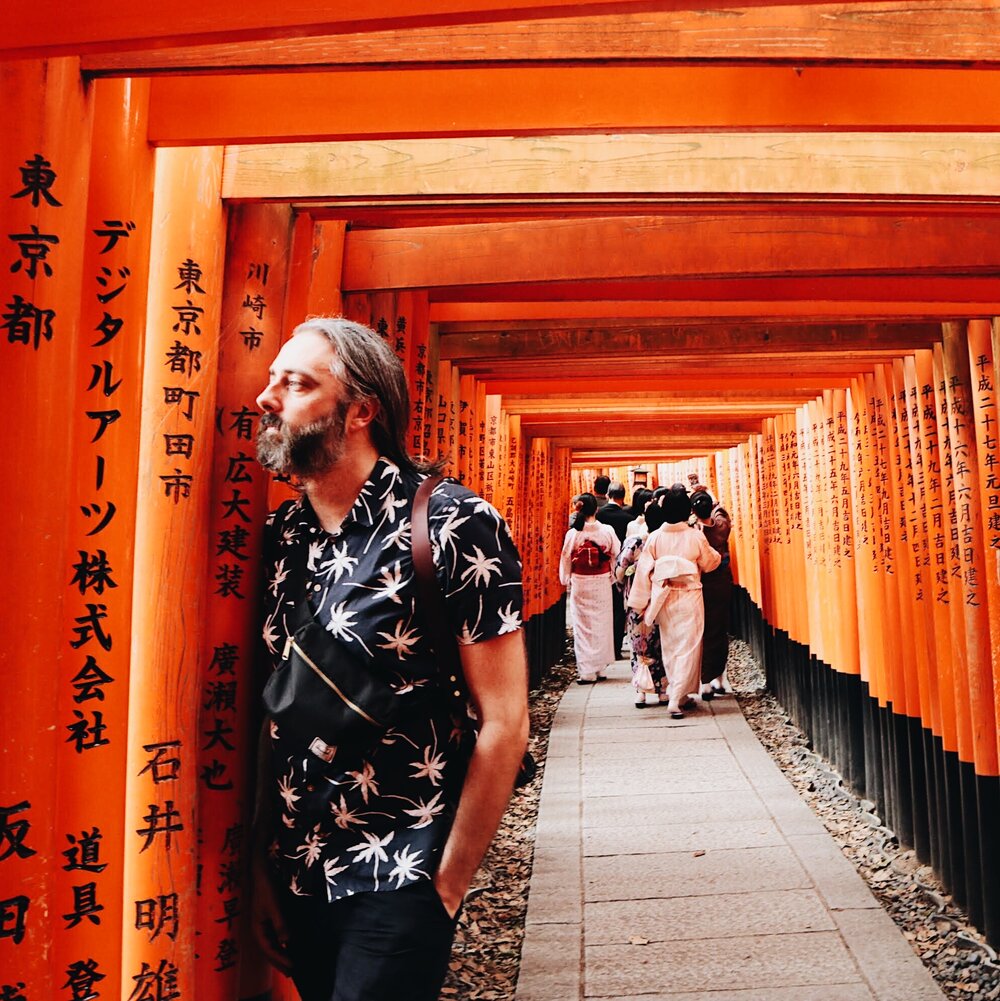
[(362, 413)]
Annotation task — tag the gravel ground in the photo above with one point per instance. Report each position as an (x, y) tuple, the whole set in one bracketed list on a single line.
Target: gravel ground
[(487, 949)]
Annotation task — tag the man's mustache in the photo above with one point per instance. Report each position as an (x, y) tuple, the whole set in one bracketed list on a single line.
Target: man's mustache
[(270, 421)]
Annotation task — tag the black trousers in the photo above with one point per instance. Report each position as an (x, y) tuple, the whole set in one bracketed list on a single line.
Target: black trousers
[(387, 946)]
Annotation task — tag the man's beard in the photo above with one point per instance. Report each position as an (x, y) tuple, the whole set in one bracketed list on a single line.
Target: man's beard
[(302, 452)]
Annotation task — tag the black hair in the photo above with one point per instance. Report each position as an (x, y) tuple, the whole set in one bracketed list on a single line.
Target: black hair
[(588, 507), (601, 484), (702, 503), (640, 498), (676, 507), (654, 517)]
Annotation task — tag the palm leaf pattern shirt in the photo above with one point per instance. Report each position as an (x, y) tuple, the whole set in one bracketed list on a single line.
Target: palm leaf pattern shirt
[(378, 818)]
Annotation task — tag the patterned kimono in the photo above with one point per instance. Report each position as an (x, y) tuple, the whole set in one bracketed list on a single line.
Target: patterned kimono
[(644, 640), (667, 588)]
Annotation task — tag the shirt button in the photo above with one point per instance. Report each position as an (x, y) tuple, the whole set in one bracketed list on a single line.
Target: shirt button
[(317, 587), (453, 678), (457, 694)]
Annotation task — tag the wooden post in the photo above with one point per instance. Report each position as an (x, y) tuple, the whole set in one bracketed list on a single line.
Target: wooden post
[(171, 573), (44, 164), (95, 680), (256, 272)]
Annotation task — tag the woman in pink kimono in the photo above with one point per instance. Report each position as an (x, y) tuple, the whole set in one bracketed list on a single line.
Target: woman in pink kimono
[(585, 565), (667, 590)]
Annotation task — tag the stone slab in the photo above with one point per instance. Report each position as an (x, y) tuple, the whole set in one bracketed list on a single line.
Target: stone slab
[(759, 962), (832, 992), (833, 875), (701, 836), (885, 958), (624, 812), (692, 874), (550, 964), (672, 778), (727, 915)]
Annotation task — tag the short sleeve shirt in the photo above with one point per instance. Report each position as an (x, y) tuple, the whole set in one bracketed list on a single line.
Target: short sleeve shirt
[(378, 818)]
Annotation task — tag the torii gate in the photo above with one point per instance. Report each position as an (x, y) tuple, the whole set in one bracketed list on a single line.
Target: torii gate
[(599, 234)]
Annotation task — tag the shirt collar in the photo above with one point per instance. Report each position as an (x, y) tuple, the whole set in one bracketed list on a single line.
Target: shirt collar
[(384, 478)]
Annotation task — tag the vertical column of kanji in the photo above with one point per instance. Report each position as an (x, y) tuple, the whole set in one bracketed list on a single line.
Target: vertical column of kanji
[(984, 399), (965, 470), (902, 500), (451, 422), (794, 535), (805, 474), (844, 536), (831, 532), (770, 556), (780, 522), (252, 305), (866, 562), (919, 506), (952, 651), (430, 410), (812, 510), (44, 162), (466, 421), (987, 422), (93, 694), (508, 499), (171, 574), (753, 503), (899, 647), (479, 438), (491, 446)]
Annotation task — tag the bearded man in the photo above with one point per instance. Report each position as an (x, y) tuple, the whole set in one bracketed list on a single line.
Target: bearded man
[(362, 856)]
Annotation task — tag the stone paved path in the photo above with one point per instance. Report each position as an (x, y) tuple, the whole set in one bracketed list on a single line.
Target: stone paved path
[(674, 862)]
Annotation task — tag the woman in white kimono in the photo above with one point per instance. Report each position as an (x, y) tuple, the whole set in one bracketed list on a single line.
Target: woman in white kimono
[(585, 566), (667, 589)]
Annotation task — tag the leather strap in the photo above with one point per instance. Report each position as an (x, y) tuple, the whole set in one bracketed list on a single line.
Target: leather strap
[(430, 596)]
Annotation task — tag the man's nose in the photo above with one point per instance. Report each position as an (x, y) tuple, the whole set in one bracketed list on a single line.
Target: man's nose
[(267, 400)]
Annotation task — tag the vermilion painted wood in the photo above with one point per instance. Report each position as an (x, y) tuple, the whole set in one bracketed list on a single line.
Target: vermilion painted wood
[(44, 112), (104, 476), (418, 103), (171, 570), (672, 247), (256, 270), (914, 549), (43, 30), (808, 33), (953, 659), (975, 595), (983, 391)]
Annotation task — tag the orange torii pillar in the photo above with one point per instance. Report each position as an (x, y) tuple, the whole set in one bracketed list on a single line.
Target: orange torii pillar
[(254, 287), (982, 362), (94, 692), (164, 736), (45, 118)]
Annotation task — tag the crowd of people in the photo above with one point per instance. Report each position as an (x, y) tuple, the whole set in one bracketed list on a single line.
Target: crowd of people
[(657, 575)]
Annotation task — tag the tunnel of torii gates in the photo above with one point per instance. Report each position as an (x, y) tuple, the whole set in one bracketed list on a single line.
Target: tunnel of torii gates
[(762, 247)]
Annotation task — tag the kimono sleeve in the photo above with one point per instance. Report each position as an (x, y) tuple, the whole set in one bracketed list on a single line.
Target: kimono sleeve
[(478, 567), (566, 557), (708, 559)]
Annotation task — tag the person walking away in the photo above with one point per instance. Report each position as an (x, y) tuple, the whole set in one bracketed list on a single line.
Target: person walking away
[(667, 589), (716, 590), (615, 514), (588, 554), (644, 641), (363, 851), (601, 484), (637, 526)]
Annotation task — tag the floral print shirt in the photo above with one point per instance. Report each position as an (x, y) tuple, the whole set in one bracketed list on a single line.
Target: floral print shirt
[(377, 818)]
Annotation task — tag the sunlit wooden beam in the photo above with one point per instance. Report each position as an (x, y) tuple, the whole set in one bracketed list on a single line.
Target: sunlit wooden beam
[(897, 164), (947, 30), (358, 104)]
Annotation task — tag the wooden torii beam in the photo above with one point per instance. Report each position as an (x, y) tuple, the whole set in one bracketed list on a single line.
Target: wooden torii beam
[(358, 104), (948, 30)]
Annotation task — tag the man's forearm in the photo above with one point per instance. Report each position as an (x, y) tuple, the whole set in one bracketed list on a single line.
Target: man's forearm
[(485, 794)]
